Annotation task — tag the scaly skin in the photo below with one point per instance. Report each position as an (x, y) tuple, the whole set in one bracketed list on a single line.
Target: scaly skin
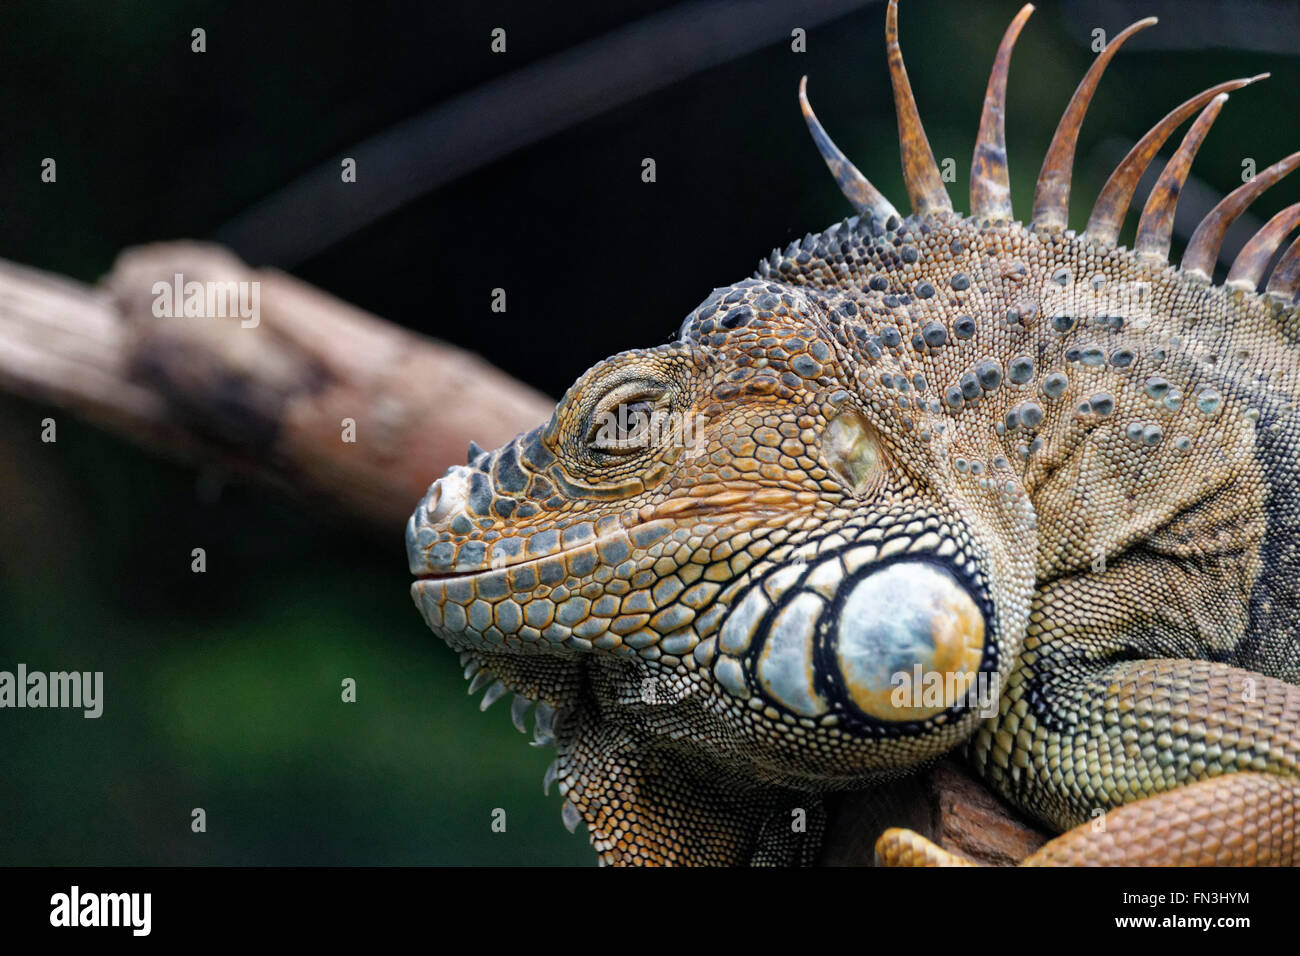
[(973, 447)]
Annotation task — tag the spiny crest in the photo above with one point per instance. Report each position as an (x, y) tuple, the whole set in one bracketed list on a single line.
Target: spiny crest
[(990, 192)]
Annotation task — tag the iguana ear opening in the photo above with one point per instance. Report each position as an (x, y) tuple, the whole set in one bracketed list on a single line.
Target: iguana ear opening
[(850, 450)]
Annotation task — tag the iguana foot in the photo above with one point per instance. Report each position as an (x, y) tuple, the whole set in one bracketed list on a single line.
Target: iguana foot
[(899, 847)]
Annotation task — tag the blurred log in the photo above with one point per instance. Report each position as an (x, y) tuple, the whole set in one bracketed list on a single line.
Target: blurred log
[(267, 403)]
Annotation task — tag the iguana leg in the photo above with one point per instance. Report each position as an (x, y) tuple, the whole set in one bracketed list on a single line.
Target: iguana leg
[(1239, 819), (1188, 760), (1085, 737)]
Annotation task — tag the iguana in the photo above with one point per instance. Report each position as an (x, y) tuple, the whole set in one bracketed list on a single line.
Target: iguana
[(909, 461)]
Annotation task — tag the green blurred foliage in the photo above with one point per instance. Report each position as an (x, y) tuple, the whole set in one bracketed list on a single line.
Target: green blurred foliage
[(223, 690)]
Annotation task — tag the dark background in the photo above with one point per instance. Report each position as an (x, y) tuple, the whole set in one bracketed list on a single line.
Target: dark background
[(222, 689)]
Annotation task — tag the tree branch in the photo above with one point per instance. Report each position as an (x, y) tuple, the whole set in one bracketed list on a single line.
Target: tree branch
[(266, 403)]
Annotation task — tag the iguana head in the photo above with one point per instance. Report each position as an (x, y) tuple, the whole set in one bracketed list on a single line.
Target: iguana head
[(795, 548), (742, 524)]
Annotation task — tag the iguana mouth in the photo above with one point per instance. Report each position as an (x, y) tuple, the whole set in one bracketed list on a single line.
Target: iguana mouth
[(598, 546), (451, 576)]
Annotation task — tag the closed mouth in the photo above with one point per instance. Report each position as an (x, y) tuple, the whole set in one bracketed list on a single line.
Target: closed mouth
[(452, 575), (578, 557), (513, 565)]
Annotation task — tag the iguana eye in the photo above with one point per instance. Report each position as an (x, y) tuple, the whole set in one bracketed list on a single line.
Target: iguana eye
[(622, 422)]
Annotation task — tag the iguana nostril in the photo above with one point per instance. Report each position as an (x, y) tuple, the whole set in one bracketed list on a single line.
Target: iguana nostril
[(910, 642), (433, 498), (448, 495)]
